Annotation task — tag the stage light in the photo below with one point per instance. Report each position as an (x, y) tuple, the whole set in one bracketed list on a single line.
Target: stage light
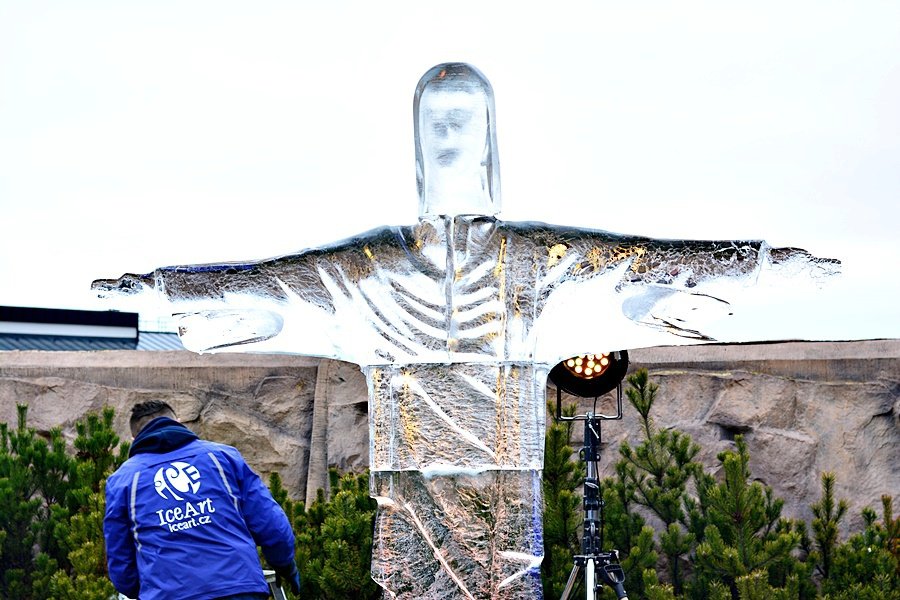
[(590, 375)]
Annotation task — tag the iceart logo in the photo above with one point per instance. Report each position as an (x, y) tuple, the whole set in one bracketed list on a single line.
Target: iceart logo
[(177, 477)]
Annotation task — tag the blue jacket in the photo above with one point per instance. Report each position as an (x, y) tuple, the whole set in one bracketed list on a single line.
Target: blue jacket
[(184, 517)]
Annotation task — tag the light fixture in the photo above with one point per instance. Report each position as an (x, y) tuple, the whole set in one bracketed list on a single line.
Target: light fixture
[(590, 375)]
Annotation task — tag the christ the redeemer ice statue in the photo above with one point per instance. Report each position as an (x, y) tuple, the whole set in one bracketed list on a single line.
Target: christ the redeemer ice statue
[(455, 322)]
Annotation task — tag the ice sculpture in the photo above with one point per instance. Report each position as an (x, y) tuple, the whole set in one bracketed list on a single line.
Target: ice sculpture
[(455, 322)]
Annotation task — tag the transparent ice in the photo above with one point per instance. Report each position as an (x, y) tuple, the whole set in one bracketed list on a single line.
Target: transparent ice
[(455, 322)]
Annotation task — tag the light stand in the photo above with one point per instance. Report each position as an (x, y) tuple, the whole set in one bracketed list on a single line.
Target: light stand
[(593, 563)]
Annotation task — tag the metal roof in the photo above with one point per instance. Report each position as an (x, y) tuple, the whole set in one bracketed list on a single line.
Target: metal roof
[(153, 340), (54, 329), (146, 340)]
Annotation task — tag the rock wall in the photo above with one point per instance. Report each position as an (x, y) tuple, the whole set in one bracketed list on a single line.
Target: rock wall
[(803, 408), (260, 404)]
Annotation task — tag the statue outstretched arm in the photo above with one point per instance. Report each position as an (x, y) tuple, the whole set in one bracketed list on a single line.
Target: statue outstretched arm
[(644, 292), (578, 254), (283, 304)]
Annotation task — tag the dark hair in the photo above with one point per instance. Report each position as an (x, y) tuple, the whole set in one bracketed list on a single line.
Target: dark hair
[(146, 409)]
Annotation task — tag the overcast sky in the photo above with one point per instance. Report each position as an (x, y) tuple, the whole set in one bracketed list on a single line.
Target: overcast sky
[(141, 134)]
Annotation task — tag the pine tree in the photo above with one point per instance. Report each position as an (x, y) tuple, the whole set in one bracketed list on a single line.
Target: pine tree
[(28, 465), (756, 586), (562, 516), (637, 560), (867, 565), (744, 535), (333, 538), (348, 531), (88, 578), (98, 453), (78, 528), (51, 525), (657, 473), (654, 590), (827, 518)]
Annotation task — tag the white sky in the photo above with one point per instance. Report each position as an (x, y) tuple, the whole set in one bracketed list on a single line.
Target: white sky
[(140, 134)]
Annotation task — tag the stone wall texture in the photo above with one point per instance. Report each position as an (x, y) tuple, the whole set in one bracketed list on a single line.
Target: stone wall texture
[(804, 408)]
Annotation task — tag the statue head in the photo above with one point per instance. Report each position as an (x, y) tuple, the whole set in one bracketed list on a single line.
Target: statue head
[(457, 171)]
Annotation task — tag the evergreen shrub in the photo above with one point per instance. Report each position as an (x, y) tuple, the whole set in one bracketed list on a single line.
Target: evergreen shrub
[(51, 509), (334, 538)]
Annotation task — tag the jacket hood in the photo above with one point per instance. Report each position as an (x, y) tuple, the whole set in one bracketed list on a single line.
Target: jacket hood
[(161, 435)]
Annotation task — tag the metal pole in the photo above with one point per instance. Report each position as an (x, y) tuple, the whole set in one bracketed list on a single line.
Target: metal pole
[(276, 590), (593, 560)]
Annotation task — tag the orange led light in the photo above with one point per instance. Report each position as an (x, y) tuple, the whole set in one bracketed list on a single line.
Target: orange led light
[(588, 366)]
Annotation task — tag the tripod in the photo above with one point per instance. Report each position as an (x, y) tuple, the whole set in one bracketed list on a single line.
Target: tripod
[(593, 562)]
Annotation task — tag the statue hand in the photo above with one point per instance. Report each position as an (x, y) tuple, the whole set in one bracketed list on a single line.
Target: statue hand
[(128, 284)]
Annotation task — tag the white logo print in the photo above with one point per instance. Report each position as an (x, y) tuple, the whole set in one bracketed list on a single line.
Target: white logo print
[(177, 477)]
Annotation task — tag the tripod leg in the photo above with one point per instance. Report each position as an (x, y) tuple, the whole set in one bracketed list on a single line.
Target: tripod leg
[(573, 576), (589, 583)]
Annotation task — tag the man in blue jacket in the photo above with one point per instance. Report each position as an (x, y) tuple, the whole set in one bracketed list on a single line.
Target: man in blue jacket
[(184, 518)]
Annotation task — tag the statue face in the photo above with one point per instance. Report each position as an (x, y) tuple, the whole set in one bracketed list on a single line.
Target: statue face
[(453, 129), (456, 158)]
